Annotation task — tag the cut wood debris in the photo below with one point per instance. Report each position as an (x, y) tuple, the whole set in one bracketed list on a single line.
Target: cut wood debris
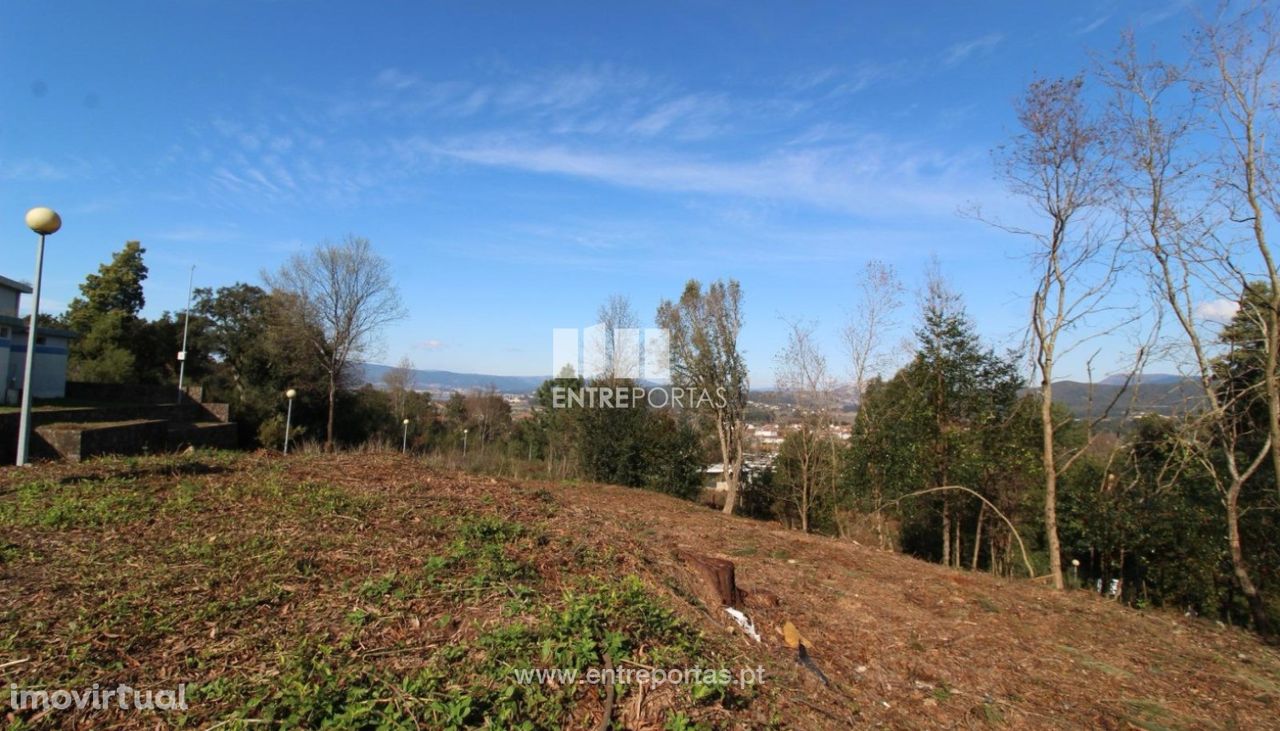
[(798, 642), (792, 636), (744, 622)]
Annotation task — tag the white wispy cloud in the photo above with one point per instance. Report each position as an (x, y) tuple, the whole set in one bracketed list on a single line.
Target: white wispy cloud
[(595, 122), (1090, 26), (836, 81), (1220, 310), (395, 94), (566, 90), (698, 115), (395, 79), (1164, 12), (975, 47), (34, 170), (874, 177)]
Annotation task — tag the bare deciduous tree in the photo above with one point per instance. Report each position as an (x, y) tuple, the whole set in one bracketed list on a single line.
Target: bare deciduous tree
[(865, 336), (879, 297), (703, 328), (400, 381), (344, 291), (802, 373), (1057, 164), (619, 354), (490, 412), (1168, 211), (1240, 83)]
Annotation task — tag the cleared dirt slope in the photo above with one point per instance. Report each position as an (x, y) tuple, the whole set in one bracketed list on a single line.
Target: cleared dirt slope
[(364, 589), (911, 644)]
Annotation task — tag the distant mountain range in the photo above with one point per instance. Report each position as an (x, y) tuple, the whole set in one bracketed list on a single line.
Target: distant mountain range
[(1160, 393), (1152, 393), (1146, 379), (450, 381)]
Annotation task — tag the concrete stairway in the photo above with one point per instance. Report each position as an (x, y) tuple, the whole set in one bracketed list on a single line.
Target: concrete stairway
[(135, 425)]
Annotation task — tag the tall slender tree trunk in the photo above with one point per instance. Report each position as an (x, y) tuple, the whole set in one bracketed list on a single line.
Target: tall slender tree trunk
[(1271, 330), (835, 468), (806, 494), (333, 393), (993, 561), (1007, 564), (1271, 380), (730, 474), (879, 515), (738, 459), (1050, 476), (977, 538), (946, 534), (1239, 566), (956, 547)]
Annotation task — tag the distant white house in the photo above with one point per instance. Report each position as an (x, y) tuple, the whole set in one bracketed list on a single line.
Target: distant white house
[(49, 378), (753, 465), (766, 436)]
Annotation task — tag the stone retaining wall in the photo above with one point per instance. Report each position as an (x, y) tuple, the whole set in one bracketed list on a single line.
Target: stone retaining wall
[(74, 442)]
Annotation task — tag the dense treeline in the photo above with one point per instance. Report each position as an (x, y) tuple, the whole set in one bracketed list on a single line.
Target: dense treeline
[(639, 446), (1139, 513), (242, 352), (232, 349)]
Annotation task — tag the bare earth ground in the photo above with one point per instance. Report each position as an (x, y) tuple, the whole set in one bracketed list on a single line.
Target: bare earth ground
[(359, 590)]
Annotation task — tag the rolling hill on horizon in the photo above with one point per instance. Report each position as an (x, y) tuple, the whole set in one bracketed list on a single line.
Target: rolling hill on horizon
[(1153, 393), (424, 380), (1146, 379), (1164, 395)]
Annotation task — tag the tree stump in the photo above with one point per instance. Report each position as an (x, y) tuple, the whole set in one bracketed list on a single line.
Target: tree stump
[(713, 580)]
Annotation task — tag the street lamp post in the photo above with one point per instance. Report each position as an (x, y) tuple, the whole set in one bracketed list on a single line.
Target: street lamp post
[(404, 441), (464, 442), (186, 321), (43, 221), (288, 417)]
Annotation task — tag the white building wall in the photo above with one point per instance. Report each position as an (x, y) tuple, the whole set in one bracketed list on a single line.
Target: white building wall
[(50, 377)]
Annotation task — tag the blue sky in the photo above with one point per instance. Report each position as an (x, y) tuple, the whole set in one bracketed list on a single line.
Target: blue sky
[(520, 162)]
